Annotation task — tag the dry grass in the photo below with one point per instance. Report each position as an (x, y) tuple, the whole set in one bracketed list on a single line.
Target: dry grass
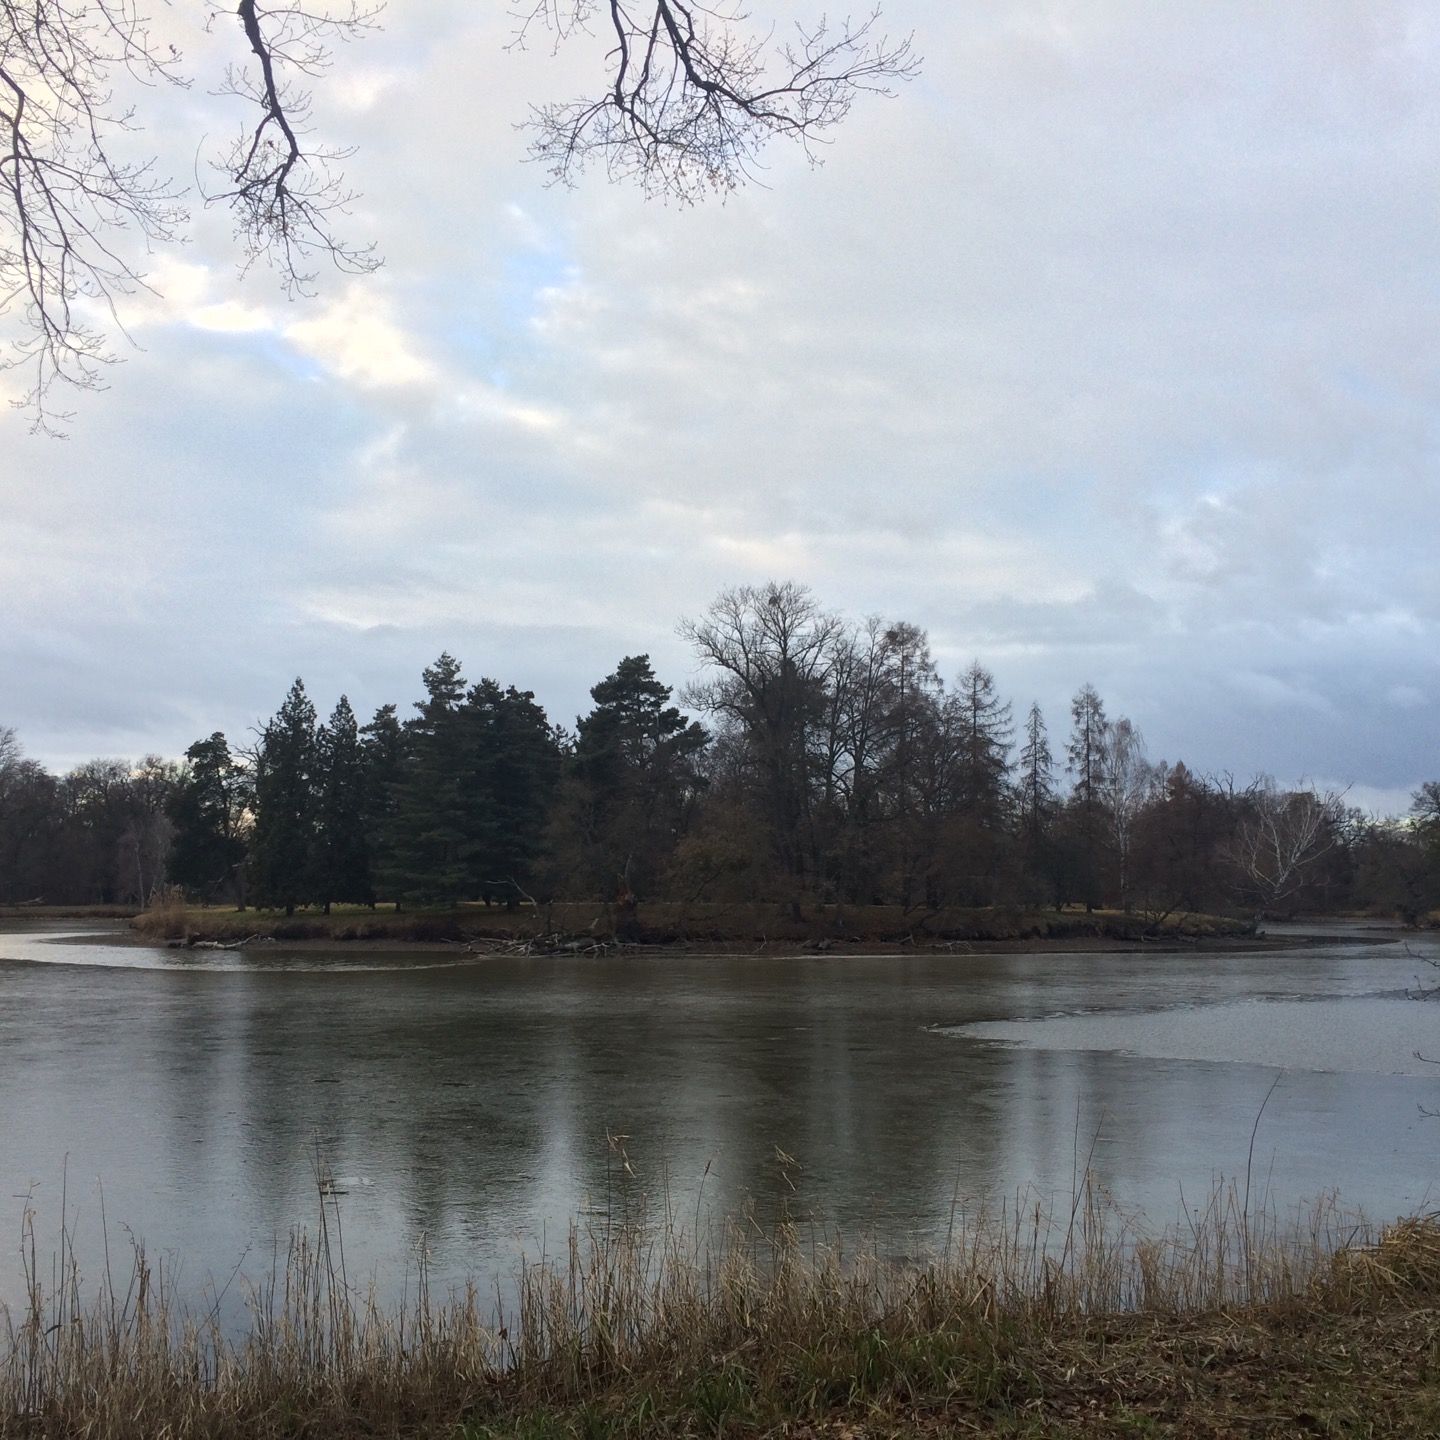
[(672, 923), (1030, 1323), (68, 912)]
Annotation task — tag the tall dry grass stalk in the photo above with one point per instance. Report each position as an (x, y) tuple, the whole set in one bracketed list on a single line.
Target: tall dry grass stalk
[(787, 1313)]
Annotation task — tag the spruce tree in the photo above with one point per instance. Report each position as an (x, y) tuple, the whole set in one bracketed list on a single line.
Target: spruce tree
[(285, 804), (341, 863)]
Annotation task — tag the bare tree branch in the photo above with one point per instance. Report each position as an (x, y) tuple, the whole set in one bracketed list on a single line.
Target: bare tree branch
[(690, 96), (693, 95), (66, 199), (286, 192)]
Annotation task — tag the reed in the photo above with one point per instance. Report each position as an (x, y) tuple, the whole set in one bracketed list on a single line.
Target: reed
[(638, 1328)]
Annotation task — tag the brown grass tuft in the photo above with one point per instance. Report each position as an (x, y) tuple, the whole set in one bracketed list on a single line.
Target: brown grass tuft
[(1071, 1322)]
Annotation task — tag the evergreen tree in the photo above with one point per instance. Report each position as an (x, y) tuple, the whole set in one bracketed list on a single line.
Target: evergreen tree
[(985, 735), (514, 764), (207, 809), (634, 768), (285, 804), (1086, 749), (341, 864), (917, 774), (1086, 753), (1037, 774), (432, 824), (382, 755)]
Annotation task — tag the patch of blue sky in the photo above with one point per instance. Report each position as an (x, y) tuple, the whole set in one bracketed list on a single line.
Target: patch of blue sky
[(527, 274), (488, 334)]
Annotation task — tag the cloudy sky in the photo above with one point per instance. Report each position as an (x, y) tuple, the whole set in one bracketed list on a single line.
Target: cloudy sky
[(1109, 350)]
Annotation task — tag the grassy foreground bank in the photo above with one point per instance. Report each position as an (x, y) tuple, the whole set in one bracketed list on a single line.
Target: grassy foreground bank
[(670, 923), (1025, 1328)]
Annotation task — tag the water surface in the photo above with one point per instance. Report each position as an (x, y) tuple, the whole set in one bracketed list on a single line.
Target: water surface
[(472, 1104)]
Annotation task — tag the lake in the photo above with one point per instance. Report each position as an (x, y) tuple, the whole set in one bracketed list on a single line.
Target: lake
[(471, 1104)]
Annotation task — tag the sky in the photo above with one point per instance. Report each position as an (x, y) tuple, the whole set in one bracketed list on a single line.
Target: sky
[(1107, 351)]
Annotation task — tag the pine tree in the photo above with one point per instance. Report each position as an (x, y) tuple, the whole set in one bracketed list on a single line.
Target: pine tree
[(431, 830), (285, 804), (635, 776), (341, 864), (206, 809)]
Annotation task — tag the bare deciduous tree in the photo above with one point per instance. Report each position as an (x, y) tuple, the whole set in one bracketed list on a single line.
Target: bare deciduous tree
[(1128, 784), (689, 97), (1286, 832), (770, 651)]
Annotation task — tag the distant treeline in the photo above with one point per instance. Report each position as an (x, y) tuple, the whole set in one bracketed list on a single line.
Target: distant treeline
[(831, 763)]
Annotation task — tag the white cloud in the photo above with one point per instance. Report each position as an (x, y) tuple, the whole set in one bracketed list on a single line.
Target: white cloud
[(357, 338)]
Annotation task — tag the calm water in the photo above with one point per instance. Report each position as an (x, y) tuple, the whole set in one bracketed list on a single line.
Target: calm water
[(467, 1102)]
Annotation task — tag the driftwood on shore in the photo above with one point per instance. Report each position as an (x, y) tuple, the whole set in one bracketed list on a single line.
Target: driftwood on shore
[(193, 942), (554, 943)]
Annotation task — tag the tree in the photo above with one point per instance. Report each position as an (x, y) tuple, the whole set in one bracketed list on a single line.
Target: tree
[(1128, 782), (282, 850), (382, 754), (1280, 839), (340, 866), (688, 99), (1397, 867), (114, 831), (512, 766), (1085, 749), (856, 726), (1085, 753), (978, 831), (207, 810), (30, 825), (1036, 804), (1425, 810), (913, 770), (635, 777), (986, 732), (771, 650), (143, 852), (431, 829), (10, 752), (1178, 847)]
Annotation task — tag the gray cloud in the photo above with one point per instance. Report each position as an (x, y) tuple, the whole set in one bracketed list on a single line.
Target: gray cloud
[(1107, 351)]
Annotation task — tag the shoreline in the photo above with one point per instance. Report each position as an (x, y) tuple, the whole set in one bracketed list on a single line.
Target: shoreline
[(539, 947)]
